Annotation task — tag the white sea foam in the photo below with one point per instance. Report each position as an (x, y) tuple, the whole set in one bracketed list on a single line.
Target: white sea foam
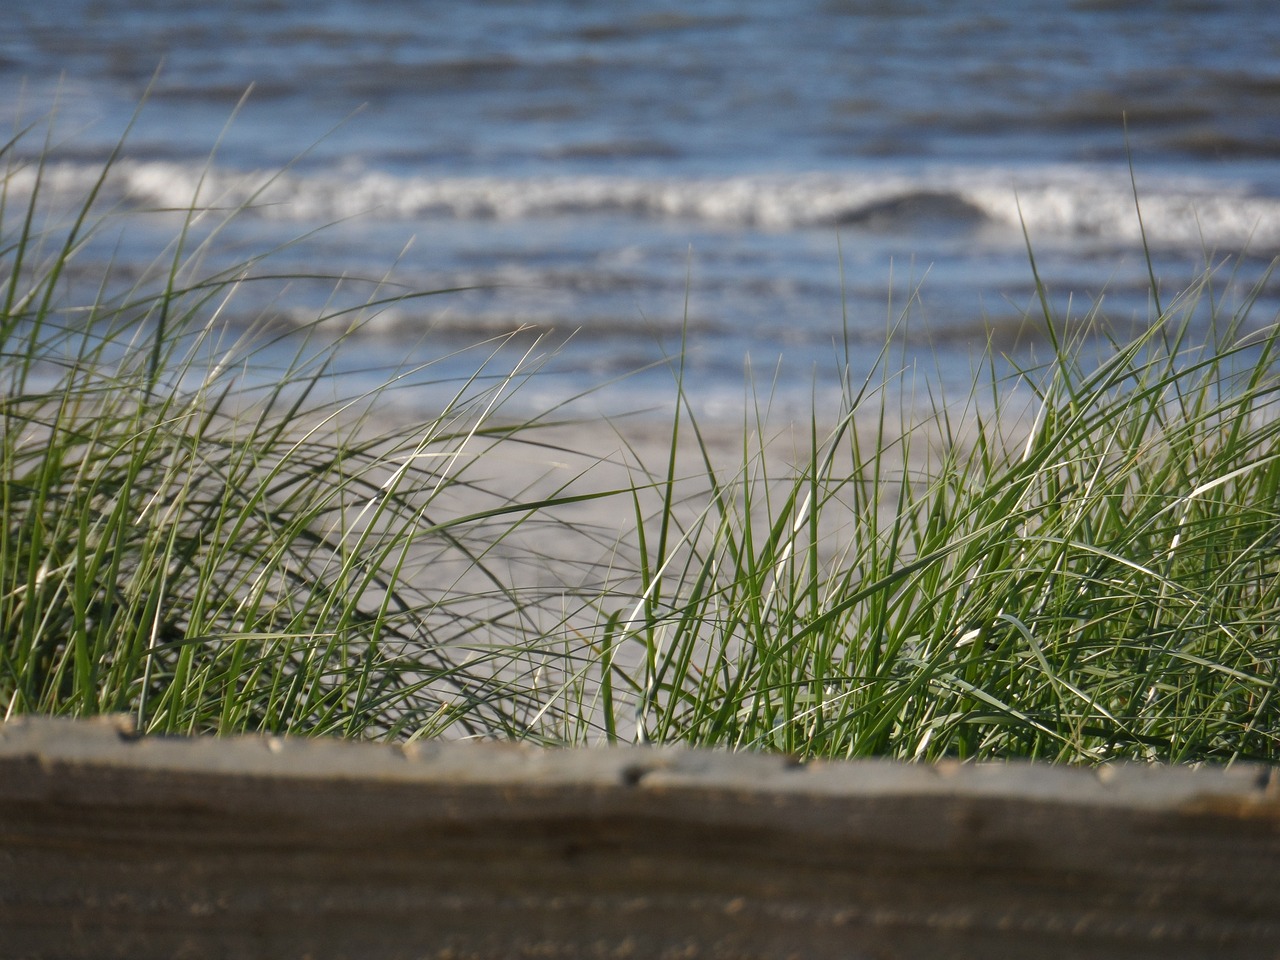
[(1067, 202)]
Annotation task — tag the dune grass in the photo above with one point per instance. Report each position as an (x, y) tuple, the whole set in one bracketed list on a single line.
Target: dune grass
[(1081, 567), (1088, 578)]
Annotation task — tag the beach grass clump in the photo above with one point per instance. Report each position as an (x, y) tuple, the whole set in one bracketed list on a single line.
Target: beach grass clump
[(210, 539), (1078, 562)]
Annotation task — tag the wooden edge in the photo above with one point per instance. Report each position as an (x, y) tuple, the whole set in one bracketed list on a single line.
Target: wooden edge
[(115, 845)]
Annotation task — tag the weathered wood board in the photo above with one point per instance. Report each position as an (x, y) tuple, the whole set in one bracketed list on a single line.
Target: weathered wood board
[(117, 846)]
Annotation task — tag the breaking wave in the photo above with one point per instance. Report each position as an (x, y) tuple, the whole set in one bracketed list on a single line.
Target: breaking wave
[(1068, 202)]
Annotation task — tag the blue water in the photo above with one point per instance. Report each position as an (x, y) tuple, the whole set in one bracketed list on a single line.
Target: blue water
[(762, 179)]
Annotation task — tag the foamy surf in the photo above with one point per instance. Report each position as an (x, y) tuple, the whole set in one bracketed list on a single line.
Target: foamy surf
[(1067, 202)]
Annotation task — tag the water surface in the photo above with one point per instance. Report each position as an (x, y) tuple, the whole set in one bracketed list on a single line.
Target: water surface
[(767, 181)]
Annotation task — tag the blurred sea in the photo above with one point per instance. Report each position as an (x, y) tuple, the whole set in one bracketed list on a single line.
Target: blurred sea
[(765, 178)]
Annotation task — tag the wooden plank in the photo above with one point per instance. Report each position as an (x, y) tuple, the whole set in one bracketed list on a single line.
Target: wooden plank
[(117, 846)]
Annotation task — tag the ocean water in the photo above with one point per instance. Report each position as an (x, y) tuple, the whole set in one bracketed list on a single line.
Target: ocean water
[(766, 186)]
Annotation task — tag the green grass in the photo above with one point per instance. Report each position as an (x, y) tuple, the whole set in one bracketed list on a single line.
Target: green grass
[(1080, 569)]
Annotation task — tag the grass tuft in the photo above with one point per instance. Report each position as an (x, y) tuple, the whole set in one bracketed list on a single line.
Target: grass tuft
[(1079, 563)]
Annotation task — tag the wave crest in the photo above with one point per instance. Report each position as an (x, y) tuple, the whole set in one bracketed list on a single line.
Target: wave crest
[(1066, 202)]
